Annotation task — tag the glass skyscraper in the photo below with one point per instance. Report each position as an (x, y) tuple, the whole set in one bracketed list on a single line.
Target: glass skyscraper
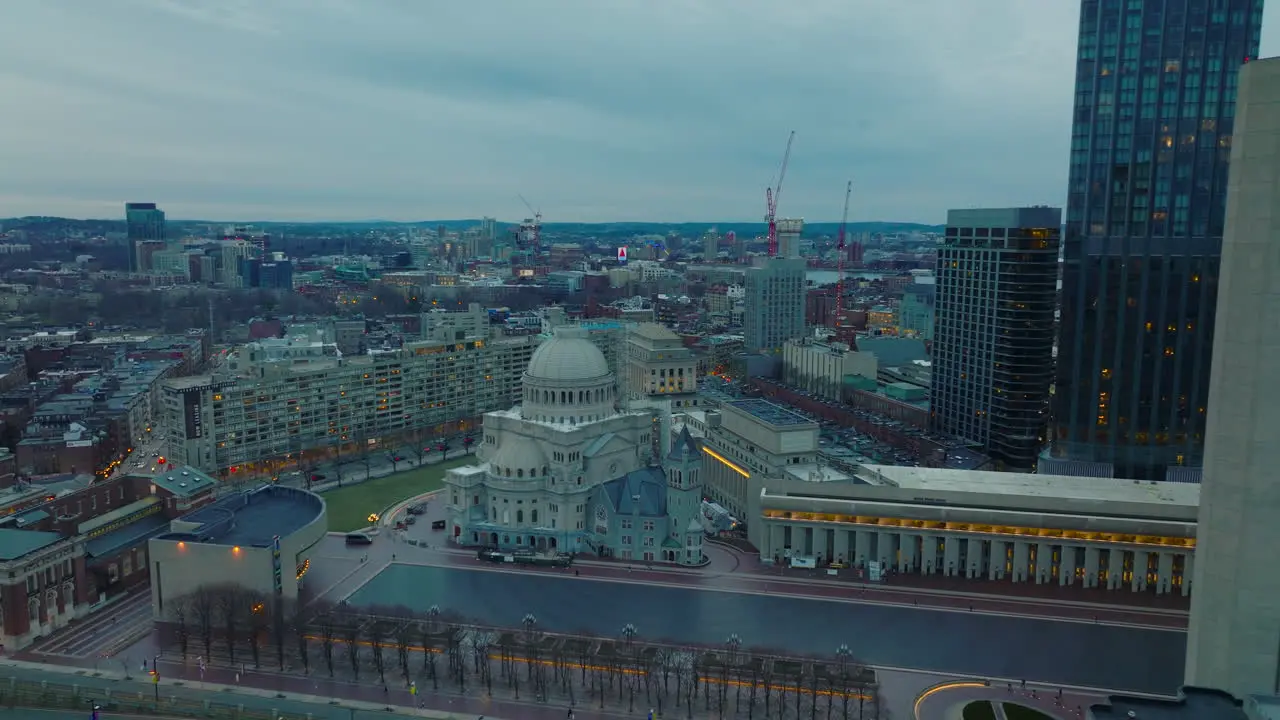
[(1154, 103)]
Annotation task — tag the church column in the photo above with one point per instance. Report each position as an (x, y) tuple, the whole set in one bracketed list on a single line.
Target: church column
[(973, 558), (1164, 573), (1115, 568), (951, 556)]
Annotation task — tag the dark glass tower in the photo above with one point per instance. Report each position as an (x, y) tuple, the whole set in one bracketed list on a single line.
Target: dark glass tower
[(1154, 104)]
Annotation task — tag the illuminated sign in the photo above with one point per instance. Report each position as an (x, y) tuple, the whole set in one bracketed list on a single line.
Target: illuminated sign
[(622, 255)]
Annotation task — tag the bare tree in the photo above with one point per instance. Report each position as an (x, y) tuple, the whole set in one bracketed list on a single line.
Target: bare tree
[(328, 631), (301, 619), (204, 614), (352, 631), (280, 612), (182, 623), (259, 621), (232, 610)]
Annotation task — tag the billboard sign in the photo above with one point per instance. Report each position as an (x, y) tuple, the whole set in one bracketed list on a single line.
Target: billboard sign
[(191, 409), (622, 255)]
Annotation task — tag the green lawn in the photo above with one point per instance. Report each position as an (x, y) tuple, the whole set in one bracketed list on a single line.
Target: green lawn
[(978, 710), (350, 506), (1014, 711)]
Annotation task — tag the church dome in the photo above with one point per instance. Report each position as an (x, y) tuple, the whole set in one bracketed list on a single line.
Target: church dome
[(568, 357), (518, 456)]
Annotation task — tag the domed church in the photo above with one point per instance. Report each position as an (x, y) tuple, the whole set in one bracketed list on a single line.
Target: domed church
[(574, 469)]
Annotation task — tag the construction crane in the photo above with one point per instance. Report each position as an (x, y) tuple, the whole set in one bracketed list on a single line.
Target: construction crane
[(836, 313), (536, 226), (771, 196)]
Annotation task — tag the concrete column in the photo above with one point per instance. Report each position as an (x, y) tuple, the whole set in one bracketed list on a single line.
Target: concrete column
[(887, 549), (1067, 566), (821, 543), (1164, 573), (928, 554), (841, 548), (863, 551), (908, 550), (1187, 574), (973, 558), (1044, 562), (1021, 560), (951, 556), (1115, 569), (1091, 557), (1139, 581), (995, 563)]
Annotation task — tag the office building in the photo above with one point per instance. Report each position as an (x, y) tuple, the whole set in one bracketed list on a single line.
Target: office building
[(774, 299), (980, 525), (1153, 123), (1234, 638), (144, 222), (277, 398), (993, 337), (659, 367)]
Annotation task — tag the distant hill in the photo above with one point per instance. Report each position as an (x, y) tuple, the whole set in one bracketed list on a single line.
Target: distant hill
[(618, 228)]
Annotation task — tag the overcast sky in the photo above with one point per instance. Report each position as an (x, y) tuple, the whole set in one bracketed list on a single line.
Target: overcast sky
[(594, 110)]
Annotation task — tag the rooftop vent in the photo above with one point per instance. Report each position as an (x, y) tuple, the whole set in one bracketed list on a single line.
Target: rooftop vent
[(171, 477), (185, 473), (182, 484)]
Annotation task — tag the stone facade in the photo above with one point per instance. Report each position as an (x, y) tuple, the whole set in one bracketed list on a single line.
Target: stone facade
[(570, 467)]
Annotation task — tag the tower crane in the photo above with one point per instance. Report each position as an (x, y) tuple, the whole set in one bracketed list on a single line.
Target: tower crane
[(771, 196), (537, 225), (840, 253)]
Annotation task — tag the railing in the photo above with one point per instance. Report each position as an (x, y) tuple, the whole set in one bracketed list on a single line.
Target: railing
[(15, 693)]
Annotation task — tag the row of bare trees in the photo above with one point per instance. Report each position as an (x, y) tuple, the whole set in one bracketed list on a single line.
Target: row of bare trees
[(228, 624)]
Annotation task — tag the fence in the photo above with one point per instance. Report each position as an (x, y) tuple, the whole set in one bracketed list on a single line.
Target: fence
[(15, 693)]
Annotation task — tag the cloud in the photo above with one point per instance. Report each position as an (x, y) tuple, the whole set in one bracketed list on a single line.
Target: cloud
[(623, 110)]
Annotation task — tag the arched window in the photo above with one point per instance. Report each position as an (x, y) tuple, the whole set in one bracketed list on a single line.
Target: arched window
[(68, 596), (579, 479), (506, 517), (33, 611), (519, 472), (519, 517), (546, 470), (507, 471), (533, 516)]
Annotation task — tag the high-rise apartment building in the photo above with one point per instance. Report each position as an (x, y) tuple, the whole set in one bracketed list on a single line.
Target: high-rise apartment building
[(144, 223), (1154, 114), (279, 397), (993, 333), (1234, 638), (789, 231), (774, 299)]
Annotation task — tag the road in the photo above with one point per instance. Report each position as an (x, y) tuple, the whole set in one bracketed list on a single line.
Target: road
[(935, 639)]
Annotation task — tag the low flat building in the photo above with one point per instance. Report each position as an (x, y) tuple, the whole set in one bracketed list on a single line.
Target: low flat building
[(1093, 532), (748, 442), (252, 540)]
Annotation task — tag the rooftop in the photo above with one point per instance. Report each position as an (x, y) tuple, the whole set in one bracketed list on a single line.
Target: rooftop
[(1058, 487), (17, 543), (769, 412), (184, 482), (251, 519)]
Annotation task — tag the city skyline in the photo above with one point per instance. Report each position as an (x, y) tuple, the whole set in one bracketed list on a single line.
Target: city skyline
[(335, 111)]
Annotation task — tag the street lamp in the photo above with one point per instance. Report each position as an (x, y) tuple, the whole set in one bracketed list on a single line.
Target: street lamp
[(629, 633), (528, 622)]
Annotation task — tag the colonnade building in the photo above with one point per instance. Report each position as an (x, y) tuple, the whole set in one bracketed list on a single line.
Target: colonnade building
[(1089, 532)]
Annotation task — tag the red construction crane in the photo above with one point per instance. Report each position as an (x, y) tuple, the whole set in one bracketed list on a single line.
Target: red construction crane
[(836, 313), (771, 196)]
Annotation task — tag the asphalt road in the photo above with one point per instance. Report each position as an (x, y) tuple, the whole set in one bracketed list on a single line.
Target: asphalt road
[(938, 640)]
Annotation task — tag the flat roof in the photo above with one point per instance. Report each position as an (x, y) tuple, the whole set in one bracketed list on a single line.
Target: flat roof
[(1030, 485), (252, 518), (184, 481), (770, 412), (17, 543)]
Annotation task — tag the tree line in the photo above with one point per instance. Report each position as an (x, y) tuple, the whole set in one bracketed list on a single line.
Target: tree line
[(441, 652)]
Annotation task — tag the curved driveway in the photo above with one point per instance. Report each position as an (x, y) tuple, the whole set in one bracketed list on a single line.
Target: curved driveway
[(939, 640)]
